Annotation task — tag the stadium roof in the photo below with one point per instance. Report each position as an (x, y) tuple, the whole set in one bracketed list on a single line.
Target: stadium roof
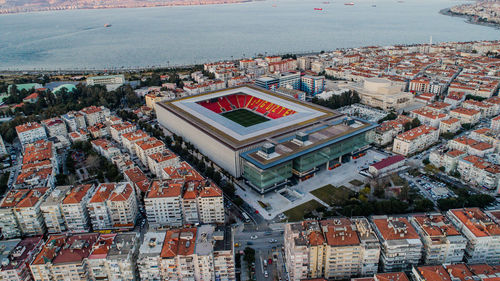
[(237, 136)]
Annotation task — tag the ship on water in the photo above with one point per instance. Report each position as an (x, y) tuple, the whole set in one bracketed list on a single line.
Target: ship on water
[(318, 9), (349, 4), (107, 25)]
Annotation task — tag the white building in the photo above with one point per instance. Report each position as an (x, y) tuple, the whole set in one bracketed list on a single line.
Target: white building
[(94, 114), (443, 243), (74, 208), (415, 140), (148, 261), (337, 248), (30, 132), (52, 209), (401, 246), (466, 116), (147, 147), (113, 205), (482, 233), (55, 127)]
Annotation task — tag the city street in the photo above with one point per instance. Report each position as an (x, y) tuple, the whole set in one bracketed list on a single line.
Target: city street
[(267, 245)]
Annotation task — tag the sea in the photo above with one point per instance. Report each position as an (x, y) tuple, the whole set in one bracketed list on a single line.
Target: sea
[(184, 35)]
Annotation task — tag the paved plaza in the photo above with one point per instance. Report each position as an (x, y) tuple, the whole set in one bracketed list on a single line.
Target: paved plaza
[(286, 198)]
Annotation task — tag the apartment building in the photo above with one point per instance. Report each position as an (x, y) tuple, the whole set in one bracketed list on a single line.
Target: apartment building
[(122, 257), (52, 211), (147, 147), (428, 117), (113, 205), (74, 120), (482, 233), (451, 125), (7, 247), (16, 256), (488, 136), (39, 166), (74, 208), (154, 97), (209, 200), (96, 261), (113, 257), (129, 140), (459, 271), (471, 146), (479, 172), (8, 221), (3, 149), (388, 130), (487, 109), (415, 140), (30, 132), (338, 248), (117, 130), (466, 116), (439, 107), (205, 253), (495, 123), (442, 242), (105, 148), (401, 246), (139, 181), (95, 114), (28, 214), (163, 203), (55, 127), (64, 257), (395, 276), (448, 159), (159, 161), (148, 260)]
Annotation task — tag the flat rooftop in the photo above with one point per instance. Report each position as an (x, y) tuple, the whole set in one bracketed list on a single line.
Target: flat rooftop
[(321, 135), (237, 136)]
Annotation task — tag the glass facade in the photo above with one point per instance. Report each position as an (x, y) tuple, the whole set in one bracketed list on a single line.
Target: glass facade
[(319, 157), (265, 179)]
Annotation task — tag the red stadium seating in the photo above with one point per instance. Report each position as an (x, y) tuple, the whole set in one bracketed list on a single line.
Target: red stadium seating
[(237, 101)]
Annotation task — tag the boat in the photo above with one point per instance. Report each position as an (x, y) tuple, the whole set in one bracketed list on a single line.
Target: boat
[(326, 2), (374, 5), (318, 9), (349, 4), (107, 25)]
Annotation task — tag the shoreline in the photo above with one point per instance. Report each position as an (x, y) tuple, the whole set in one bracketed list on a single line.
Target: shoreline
[(468, 18), (25, 10)]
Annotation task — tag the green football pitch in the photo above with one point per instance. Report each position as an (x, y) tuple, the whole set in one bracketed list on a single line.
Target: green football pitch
[(244, 117)]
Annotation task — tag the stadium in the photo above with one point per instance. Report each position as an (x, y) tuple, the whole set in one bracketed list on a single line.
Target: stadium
[(263, 137)]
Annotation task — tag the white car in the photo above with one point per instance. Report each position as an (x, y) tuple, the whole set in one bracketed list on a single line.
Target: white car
[(266, 274), (253, 237)]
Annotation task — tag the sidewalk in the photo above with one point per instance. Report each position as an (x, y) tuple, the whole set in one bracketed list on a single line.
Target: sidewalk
[(300, 193)]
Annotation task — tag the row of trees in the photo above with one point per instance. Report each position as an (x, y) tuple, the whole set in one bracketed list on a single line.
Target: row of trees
[(337, 101), (51, 105)]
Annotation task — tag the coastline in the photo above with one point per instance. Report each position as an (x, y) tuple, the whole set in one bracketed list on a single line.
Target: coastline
[(468, 18), (153, 4)]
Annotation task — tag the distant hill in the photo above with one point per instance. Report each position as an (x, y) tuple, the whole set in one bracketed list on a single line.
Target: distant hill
[(19, 6)]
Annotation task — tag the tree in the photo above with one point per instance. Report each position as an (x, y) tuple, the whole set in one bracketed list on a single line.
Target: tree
[(415, 123), (93, 162)]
